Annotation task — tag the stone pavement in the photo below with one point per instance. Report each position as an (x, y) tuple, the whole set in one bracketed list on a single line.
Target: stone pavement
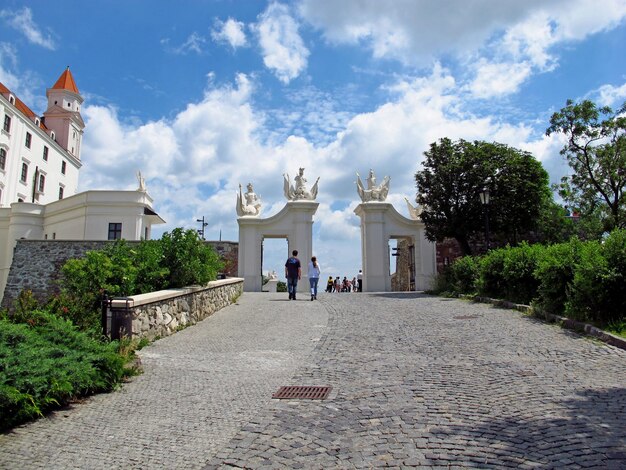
[(417, 381)]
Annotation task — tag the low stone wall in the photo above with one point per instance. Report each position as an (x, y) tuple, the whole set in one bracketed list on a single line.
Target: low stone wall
[(37, 265), (162, 313)]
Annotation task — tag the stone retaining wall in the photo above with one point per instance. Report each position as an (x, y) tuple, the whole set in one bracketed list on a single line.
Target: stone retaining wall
[(162, 313), (37, 264)]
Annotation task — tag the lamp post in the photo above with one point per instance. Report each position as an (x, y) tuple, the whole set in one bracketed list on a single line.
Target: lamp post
[(484, 199), (204, 224)]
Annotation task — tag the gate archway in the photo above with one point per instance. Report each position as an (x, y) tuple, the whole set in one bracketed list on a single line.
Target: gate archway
[(294, 223), (380, 222)]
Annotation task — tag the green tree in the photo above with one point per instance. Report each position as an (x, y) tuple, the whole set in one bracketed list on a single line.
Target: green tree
[(596, 152), (455, 173)]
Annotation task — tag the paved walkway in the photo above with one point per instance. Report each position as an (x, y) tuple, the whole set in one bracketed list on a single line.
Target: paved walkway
[(417, 381)]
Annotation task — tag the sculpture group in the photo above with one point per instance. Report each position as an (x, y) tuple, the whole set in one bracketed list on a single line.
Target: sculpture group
[(249, 204), (373, 192)]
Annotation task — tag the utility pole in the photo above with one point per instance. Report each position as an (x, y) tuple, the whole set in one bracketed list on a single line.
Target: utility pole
[(204, 224)]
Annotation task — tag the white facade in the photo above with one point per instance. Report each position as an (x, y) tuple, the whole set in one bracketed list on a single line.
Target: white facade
[(39, 165), (40, 156), (91, 215)]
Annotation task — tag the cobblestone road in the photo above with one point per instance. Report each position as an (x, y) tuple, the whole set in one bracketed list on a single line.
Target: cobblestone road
[(417, 381)]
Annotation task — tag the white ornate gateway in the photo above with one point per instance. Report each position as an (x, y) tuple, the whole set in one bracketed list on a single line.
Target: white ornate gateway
[(294, 222), (380, 222)]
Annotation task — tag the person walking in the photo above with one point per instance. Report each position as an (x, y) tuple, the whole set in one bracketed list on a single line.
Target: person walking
[(329, 284), (293, 273), (314, 276), (359, 279)]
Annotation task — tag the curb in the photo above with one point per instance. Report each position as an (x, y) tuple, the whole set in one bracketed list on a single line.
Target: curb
[(565, 322)]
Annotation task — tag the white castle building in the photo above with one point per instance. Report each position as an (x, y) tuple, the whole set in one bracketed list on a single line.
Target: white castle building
[(39, 168)]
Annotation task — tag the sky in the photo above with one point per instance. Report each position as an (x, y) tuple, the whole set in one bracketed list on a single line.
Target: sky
[(201, 96)]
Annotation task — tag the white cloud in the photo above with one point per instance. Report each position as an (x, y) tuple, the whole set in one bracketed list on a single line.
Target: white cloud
[(281, 44), (413, 31), (22, 21), (496, 79), (609, 95), (231, 32), (501, 43), (194, 43)]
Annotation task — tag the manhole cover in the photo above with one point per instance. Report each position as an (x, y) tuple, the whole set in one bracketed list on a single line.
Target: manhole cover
[(466, 317), (303, 393)]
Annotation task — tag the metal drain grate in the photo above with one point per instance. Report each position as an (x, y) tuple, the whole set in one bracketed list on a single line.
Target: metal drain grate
[(299, 392)]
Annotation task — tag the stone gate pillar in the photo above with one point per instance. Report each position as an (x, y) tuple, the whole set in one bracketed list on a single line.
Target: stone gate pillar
[(374, 247)]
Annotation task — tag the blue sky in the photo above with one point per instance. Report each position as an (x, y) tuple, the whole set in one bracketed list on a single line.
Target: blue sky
[(203, 95)]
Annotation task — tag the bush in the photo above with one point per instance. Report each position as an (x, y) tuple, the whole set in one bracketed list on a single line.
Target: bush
[(555, 273), (520, 262), (178, 259), (46, 365), (598, 292), (188, 260), (281, 286), (490, 282), (458, 278)]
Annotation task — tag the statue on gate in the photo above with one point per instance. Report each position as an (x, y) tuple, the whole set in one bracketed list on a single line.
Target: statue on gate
[(299, 191), (248, 203), (415, 212), (373, 192)]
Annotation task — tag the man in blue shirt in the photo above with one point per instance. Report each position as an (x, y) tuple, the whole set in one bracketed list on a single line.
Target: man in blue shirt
[(293, 272)]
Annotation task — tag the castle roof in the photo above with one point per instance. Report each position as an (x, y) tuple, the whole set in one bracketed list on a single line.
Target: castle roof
[(19, 104), (66, 82)]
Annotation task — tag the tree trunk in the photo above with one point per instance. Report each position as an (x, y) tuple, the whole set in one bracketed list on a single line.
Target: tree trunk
[(466, 249)]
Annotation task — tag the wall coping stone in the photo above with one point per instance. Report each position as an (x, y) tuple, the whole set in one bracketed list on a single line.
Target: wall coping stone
[(157, 296)]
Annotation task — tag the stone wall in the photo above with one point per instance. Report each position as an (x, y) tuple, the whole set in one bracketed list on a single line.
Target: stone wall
[(37, 264), (162, 313), (229, 252)]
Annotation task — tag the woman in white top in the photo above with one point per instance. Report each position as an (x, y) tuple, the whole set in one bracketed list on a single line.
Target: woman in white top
[(314, 276)]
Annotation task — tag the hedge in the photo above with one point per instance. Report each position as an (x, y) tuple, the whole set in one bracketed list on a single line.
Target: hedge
[(585, 281)]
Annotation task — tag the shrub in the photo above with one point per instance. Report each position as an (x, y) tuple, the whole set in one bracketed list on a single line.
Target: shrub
[(188, 260), (464, 274), (490, 281), (555, 273), (459, 277), (46, 365), (120, 270), (281, 286), (520, 262), (598, 292)]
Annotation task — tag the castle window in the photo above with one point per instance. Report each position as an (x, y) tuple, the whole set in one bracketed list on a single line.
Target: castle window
[(63, 166), (45, 153), (3, 159), (115, 231), (11, 99), (7, 123), (29, 139), (24, 172), (42, 183), (60, 192)]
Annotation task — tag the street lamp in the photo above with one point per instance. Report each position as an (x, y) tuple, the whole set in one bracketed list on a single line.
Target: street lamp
[(204, 224), (484, 199)]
